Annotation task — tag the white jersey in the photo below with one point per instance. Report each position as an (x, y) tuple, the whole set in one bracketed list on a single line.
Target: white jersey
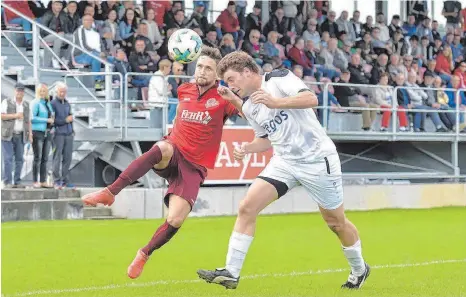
[(295, 134)]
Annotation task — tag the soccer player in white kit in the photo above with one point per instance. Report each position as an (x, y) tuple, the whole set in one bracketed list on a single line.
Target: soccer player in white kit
[(278, 105)]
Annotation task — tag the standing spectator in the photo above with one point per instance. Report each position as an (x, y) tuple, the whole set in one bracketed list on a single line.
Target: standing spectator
[(16, 131), (57, 21), (227, 22), (14, 19), (329, 25), (383, 98), (451, 11), (345, 25), (42, 120), (419, 10), (111, 34), (128, 27), (159, 89), (89, 39), (63, 138), (254, 20)]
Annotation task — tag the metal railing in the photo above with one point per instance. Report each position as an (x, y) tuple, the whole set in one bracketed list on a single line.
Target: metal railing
[(36, 39)]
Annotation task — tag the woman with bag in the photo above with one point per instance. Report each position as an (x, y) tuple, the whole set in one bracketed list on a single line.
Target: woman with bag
[(42, 120)]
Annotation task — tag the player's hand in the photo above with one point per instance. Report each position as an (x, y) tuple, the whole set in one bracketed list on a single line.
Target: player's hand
[(226, 93), (265, 98), (239, 152)]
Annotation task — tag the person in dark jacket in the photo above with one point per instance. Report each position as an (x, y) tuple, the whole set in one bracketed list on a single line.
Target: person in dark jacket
[(63, 138), (141, 61), (329, 25), (379, 68), (73, 16), (57, 21), (38, 9), (254, 20)]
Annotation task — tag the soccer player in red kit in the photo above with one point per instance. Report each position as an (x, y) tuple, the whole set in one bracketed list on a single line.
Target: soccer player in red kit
[(181, 157)]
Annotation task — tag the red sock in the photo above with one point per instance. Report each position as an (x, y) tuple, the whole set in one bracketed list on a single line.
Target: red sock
[(136, 169), (161, 237)]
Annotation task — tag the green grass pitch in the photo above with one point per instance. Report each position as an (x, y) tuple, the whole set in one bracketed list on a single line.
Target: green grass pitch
[(413, 253)]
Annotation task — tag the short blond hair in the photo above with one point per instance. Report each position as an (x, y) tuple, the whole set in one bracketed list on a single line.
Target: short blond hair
[(39, 88), (237, 61), (165, 63)]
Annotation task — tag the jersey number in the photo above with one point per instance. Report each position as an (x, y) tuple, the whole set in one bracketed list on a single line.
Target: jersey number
[(271, 126)]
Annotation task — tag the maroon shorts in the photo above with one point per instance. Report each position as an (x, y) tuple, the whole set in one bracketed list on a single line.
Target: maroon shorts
[(184, 177)]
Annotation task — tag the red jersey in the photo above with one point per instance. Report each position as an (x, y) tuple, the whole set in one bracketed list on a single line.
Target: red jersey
[(198, 127), (160, 7)]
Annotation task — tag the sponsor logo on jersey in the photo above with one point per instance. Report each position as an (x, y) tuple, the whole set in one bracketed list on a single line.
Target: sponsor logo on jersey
[(186, 99), (201, 117), (212, 102)]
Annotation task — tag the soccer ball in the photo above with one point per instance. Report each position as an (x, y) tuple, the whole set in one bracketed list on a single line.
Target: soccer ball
[(185, 46)]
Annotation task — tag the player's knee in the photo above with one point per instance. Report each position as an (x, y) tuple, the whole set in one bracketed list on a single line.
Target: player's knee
[(165, 148), (246, 210), (337, 226), (175, 220)]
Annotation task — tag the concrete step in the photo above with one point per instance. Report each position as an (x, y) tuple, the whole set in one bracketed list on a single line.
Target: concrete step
[(89, 212), (39, 194), (104, 218)]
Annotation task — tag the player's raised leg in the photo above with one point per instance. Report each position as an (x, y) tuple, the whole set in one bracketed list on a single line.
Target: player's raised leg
[(159, 155), (178, 211), (260, 194)]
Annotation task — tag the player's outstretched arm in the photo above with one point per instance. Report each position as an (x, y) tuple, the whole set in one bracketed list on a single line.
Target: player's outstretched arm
[(302, 100), (228, 95)]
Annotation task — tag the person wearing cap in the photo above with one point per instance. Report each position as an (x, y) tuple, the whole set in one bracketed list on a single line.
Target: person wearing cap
[(16, 131)]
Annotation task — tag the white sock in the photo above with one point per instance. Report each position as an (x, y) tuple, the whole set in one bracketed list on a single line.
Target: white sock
[(355, 260), (237, 250)]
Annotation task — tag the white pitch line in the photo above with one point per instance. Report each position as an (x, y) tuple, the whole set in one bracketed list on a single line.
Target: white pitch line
[(254, 276)]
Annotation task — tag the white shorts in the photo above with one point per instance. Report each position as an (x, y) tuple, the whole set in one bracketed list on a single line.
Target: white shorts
[(321, 179)]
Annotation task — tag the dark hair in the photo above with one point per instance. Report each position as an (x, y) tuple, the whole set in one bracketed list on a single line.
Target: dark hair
[(237, 61), (134, 23), (212, 53)]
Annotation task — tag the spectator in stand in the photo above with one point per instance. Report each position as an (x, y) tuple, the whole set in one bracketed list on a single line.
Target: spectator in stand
[(241, 12), (163, 50), (427, 51), (89, 10), (57, 21), (42, 119), (424, 30), (384, 31), (410, 28), (89, 39), (334, 58), (122, 66), (108, 6), (16, 131), (394, 68), (403, 102), (169, 16), (13, 19), (141, 62), (273, 49), (445, 64), (419, 10), (298, 57), (382, 98), (153, 29), (414, 49), (407, 64), (448, 39), (358, 74), (357, 25), (99, 15), (311, 32), (37, 7), (351, 97), (227, 22), (111, 34), (159, 89), (254, 20), (451, 11), (367, 50), (379, 68), (129, 4), (227, 45), (211, 38), (435, 33), (73, 16), (324, 40), (437, 48), (329, 25), (160, 7), (253, 47), (417, 99), (460, 71), (457, 49), (399, 45), (448, 118), (179, 21), (175, 82), (345, 25), (128, 27), (198, 16), (457, 102), (368, 26), (431, 101), (63, 137), (394, 26)]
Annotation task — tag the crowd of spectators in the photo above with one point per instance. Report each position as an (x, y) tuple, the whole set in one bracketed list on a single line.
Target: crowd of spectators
[(306, 37)]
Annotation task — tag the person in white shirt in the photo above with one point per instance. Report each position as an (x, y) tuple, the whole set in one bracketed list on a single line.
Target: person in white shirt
[(279, 105), (159, 89)]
